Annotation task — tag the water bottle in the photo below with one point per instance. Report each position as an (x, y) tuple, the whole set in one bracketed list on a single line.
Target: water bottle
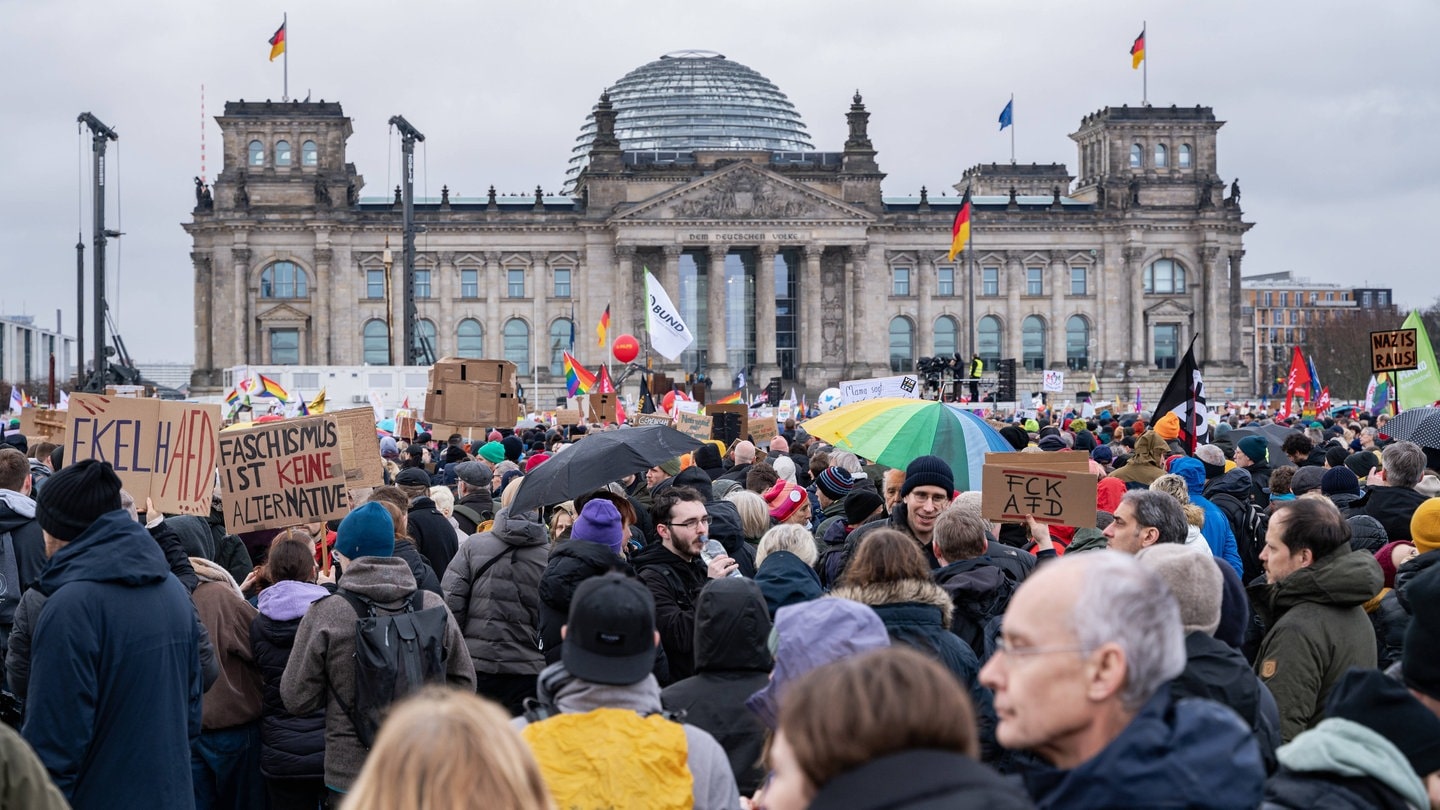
[(712, 550)]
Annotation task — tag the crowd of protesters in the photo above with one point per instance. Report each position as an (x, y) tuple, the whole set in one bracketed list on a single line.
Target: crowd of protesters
[(777, 626)]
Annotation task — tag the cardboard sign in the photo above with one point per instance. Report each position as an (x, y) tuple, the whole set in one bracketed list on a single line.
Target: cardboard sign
[(1064, 461), (164, 451), (1053, 381), (360, 453), (1393, 351), (687, 406), (693, 424), (283, 473), (567, 416), (905, 385), (405, 424), (43, 423), (763, 430), (642, 419), (1009, 493), (602, 407)]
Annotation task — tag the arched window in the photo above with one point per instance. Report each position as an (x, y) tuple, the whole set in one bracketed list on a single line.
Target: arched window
[(562, 335), (1137, 156), (309, 154), (987, 343), (257, 153), (377, 343), (470, 339), (1164, 276), (947, 336), (1077, 343), (902, 345), (1186, 156), (1162, 156), (1032, 343), (282, 153), (425, 341), (284, 280), (517, 345)]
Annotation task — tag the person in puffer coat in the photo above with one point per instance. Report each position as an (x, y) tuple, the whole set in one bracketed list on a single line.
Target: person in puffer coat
[(292, 748), (493, 588), (732, 662), (594, 548), (1216, 528)]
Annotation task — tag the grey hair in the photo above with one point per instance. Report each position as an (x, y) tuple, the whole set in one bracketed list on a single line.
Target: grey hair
[(1172, 484), (1404, 464), (1158, 510), (846, 460), (1129, 605), (788, 537)]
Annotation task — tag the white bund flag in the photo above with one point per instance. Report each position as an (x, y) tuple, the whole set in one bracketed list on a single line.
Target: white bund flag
[(668, 333)]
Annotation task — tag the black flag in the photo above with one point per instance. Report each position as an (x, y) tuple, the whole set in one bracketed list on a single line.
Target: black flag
[(1185, 397), (647, 402)]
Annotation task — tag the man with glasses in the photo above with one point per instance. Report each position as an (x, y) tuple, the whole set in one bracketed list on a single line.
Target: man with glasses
[(1079, 676), (674, 573)]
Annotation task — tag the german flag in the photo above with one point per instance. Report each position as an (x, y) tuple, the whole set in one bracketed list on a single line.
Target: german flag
[(960, 231), (277, 42), (1137, 51), (603, 329)]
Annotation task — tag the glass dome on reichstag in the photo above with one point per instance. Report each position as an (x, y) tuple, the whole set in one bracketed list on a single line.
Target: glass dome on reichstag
[(689, 100)]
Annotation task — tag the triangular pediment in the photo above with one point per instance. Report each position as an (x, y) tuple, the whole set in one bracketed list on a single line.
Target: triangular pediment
[(743, 192), (1170, 307), (283, 312)]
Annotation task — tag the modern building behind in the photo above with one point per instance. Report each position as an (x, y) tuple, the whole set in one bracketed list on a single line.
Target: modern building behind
[(25, 351), (784, 261)]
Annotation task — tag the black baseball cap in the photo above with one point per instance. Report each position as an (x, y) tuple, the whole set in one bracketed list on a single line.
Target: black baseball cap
[(412, 477), (610, 637)]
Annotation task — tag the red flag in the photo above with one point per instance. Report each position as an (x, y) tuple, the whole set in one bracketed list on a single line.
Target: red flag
[(1297, 382), (603, 384), (1322, 405)]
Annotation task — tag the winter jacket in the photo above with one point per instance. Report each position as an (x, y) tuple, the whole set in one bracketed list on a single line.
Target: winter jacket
[(1191, 754), (980, 590), (427, 578), (1147, 463), (829, 516), (675, 584), (712, 783), (1345, 502), (920, 779), (479, 502), (234, 699), (1216, 529), (571, 562), (291, 747), (17, 516), (199, 540), (23, 781), (115, 665), (1216, 671), (1366, 534), (1260, 483), (785, 579), (322, 664), (899, 520), (732, 662), (499, 613), (1392, 618), (1393, 507), (725, 523), (1342, 765), (433, 535), (1317, 630)]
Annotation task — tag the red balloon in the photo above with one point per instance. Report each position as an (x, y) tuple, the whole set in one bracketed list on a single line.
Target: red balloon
[(627, 348)]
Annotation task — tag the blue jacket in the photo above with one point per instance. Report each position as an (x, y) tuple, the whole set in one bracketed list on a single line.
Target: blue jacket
[(1191, 754), (785, 579), (115, 672), (1217, 526)]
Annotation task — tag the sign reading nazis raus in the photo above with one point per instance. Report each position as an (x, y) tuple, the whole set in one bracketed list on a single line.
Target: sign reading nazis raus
[(282, 474), (1394, 350)]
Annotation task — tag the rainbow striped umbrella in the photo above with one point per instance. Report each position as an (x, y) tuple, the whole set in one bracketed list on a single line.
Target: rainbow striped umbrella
[(895, 431)]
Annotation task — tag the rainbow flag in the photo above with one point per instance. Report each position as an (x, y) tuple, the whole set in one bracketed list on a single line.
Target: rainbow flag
[(733, 399), (270, 388), (577, 380), (232, 398)]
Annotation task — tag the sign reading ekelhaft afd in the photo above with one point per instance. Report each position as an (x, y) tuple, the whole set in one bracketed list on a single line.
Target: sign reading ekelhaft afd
[(905, 385)]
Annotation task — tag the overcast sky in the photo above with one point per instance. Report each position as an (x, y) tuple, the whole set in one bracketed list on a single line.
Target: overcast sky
[(1333, 109)]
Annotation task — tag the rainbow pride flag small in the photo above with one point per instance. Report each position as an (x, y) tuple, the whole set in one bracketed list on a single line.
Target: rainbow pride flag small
[(270, 388), (733, 399), (577, 380)]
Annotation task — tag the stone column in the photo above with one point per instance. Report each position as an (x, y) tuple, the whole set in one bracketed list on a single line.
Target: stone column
[(765, 362), (240, 261), (539, 317), (204, 318), (810, 330), (669, 278), (874, 353), (1014, 317), (924, 317), (717, 364), (1135, 283), (448, 289), (630, 303), (321, 332), (854, 325), (494, 334), (1233, 350), (1059, 284)]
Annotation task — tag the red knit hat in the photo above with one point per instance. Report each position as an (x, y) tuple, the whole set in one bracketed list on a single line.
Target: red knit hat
[(784, 499), (534, 461)]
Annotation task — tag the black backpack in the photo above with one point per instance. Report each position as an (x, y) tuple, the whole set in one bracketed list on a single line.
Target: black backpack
[(1249, 523), (395, 655)]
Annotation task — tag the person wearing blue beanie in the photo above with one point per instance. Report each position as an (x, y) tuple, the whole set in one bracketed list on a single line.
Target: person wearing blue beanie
[(367, 531)]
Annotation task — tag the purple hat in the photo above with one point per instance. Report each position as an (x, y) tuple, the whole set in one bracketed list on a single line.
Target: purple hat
[(599, 522)]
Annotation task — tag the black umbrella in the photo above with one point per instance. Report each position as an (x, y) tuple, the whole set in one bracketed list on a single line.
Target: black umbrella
[(1274, 436), (598, 459), (1418, 425)]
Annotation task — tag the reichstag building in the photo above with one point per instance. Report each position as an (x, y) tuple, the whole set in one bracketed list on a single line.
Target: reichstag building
[(784, 260)]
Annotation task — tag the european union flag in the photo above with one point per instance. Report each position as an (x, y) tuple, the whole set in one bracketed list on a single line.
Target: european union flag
[(1007, 115)]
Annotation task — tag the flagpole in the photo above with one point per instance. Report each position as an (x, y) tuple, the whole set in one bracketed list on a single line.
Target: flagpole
[(285, 24), (1012, 132)]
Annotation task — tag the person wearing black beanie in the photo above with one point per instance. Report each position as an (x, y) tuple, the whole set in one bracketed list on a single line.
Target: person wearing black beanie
[(513, 448), (929, 487), (74, 498)]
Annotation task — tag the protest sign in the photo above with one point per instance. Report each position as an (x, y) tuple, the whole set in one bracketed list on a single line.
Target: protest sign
[(1395, 350), (905, 385), (360, 453), (1069, 461), (693, 424), (641, 419), (602, 407), (687, 406), (1055, 497), (762, 430), (567, 416), (283, 473), (164, 451), (44, 424), (405, 424), (1053, 381)]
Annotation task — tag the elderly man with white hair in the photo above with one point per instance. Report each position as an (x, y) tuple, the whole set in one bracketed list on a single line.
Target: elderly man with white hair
[(1080, 676)]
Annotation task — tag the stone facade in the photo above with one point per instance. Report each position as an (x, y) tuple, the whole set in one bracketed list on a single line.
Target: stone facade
[(790, 264)]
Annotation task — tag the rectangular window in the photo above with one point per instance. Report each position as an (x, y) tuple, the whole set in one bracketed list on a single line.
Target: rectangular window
[(516, 279), (1329, 296), (375, 284), (1284, 299), (946, 284), (1383, 298), (469, 283), (1079, 281), (990, 281), (1034, 281), (1167, 345), (284, 347), (901, 285), (422, 283), (1269, 299), (307, 381), (562, 282)]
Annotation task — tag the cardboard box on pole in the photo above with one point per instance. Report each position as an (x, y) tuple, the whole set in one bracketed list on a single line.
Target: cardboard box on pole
[(43, 424), (478, 393), (602, 407)]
